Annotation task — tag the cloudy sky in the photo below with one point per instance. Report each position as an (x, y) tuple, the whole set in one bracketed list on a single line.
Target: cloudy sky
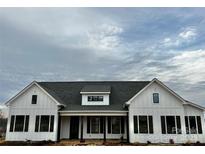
[(63, 44)]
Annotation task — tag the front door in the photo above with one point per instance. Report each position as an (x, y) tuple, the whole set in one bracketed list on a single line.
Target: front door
[(74, 127)]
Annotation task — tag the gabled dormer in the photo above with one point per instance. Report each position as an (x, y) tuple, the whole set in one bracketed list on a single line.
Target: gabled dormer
[(95, 95)]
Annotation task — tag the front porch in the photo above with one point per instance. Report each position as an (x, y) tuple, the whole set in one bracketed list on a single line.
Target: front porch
[(93, 126)]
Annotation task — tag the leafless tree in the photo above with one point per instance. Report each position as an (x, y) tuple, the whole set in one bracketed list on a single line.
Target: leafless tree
[(1, 114), (3, 123)]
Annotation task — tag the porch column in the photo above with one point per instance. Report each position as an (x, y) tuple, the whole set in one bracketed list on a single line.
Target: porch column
[(104, 128), (81, 132)]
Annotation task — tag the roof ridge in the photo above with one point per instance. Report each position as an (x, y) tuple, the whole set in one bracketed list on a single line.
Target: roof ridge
[(84, 81)]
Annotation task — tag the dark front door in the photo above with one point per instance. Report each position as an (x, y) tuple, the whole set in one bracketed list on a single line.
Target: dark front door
[(74, 127)]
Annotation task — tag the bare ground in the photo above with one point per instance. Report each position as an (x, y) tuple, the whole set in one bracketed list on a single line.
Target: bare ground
[(89, 143)]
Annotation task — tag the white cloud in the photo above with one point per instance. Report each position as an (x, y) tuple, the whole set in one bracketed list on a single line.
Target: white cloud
[(188, 33), (186, 36), (106, 37), (190, 66)]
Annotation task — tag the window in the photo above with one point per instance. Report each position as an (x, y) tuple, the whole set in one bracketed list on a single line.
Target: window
[(171, 128), (44, 127), (155, 97), (116, 125), (34, 99), (193, 125), (179, 131), (187, 124), (171, 124), (95, 98), (19, 123), (95, 125), (143, 124), (44, 123)]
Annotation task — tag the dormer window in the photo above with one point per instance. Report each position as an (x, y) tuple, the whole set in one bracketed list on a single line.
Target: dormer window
[(95, 94), (95, 98)]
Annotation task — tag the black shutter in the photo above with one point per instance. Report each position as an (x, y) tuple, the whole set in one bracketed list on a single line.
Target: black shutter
[(109, 125), (122, 125), (101, 125), (163, 126), (150, 125), (178, 125), (135, 124), (37, 124), (88, 125), (26, 123), (52, 123), (12, 123), (199, 125)]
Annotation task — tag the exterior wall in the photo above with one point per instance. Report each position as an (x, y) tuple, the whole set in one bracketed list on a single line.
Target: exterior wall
[(86, 102), (168, 105), (65, 130), (65, 127), (22, 106), (192, 111)]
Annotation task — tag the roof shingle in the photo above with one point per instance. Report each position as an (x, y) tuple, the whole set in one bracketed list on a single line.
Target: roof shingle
[(68, 93)]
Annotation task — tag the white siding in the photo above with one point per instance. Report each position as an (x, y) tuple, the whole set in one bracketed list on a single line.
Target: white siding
[(22, 106), (65, 128), (168, 105), (86, 102)]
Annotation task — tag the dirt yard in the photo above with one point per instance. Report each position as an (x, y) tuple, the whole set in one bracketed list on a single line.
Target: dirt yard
[(88, 143)]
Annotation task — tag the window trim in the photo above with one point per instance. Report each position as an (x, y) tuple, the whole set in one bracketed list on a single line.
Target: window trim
[(120, 125), (153, 98), (175, 123), (89, 130), (49, 123), (137, 117), (196, 122), (12, 129)]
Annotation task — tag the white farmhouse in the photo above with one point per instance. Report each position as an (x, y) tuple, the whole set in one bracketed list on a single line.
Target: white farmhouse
[(138, 111)]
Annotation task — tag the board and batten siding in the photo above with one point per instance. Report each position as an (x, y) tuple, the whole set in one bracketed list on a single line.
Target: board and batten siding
[(22, 106), (168, 105)]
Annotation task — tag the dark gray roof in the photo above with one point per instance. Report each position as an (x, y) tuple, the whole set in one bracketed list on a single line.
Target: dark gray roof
[(96, 88), (68, 93)]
